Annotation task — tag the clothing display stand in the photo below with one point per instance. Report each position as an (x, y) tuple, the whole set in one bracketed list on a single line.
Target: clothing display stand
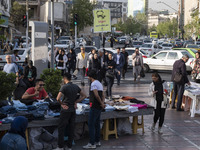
[(107, 131), (136, 125)]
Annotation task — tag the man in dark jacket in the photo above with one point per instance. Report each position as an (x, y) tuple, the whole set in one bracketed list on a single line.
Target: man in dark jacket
[(120, 61), (30, 74), (179, 67)]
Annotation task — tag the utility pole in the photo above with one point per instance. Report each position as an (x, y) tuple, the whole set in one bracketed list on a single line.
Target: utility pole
[(27, 24), (52, 34)]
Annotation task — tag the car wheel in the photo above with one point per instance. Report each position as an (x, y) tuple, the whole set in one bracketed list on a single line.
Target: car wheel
[(146, 68)]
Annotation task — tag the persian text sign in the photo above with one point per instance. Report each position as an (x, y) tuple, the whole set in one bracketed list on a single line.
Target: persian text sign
[(102, 20)]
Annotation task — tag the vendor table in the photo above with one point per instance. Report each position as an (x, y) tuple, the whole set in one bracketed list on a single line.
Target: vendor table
[(84, 118)]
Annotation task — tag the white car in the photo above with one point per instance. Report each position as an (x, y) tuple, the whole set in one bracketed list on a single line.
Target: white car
[(149, 48), (64, 44), (130, 51), (166, 46), (22, 52), (164, 60)]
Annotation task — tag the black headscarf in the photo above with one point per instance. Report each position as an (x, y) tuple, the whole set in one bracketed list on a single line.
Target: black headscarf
[(19, 125)]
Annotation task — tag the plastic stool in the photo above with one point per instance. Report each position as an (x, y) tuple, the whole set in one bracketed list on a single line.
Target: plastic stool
[(136, 125), (107, 131)]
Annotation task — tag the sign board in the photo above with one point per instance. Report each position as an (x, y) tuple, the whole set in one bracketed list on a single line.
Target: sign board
[(102, 21)]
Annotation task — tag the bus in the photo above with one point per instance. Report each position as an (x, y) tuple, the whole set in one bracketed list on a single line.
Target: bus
[(153, 34)]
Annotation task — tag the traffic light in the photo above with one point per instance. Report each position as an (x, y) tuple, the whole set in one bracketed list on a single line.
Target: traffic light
[(75, 19), (24, 21)]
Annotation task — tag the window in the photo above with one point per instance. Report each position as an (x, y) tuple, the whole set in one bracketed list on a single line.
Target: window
[(172, 55), (161, 55), (187, 53), (125, 4), (124, 9)]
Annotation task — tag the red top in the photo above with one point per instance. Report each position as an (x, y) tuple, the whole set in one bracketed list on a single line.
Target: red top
[(42, 93)]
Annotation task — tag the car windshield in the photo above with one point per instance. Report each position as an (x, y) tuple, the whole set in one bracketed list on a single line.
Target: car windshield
[(64, 38), (63, 42), (137, 43), (187, 53), (194, 50), (147, 45), (192, 46), (20, 52), (122, 38), (167, 45)]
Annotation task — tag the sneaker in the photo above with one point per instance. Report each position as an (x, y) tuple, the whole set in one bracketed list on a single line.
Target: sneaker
[(153, 127), (58, 148), (89, 146), (160, 130), (97, 143)]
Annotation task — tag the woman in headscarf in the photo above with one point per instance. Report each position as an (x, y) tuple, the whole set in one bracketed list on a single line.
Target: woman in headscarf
[(61, 60), (15, 138), (196, 69), (158, 89)]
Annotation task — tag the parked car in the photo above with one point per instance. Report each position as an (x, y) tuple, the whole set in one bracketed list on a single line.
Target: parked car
[(164, 60), (178, 44), (137, 44), (64, 38), (130, 51), (192, 46), (124, 40), (167, 46), (198, 43), (149, 48), (22, 52), (66, 44), (81, 41), (190, 50)]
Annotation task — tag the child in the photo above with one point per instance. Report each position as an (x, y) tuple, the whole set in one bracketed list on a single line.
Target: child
[(158, 90)]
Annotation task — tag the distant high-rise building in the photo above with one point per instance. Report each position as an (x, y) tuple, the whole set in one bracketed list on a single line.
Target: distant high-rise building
[(137, 6)]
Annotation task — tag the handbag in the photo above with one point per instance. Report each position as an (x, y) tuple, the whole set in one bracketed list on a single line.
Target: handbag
[(178, 77), (110, 74), (142, 74)]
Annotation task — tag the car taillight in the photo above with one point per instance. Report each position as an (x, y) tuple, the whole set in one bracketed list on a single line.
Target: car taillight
[(1, 59), (150, 49), (144, 56)]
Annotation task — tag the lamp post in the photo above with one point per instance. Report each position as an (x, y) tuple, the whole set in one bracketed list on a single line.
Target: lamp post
[(52, 34)]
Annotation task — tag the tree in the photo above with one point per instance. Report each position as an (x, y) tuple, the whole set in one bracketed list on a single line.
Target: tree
[(84, 10)]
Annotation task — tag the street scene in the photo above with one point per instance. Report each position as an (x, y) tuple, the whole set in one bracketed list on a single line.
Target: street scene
[(100, 74)]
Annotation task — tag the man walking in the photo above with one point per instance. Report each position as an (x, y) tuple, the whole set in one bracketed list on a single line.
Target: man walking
[(96, 106), (137, 64), (179, 67), (81, 64), (119, 60), (68, 93), (124, 69)]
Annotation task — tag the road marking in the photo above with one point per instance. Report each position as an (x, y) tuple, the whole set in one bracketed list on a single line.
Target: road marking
[(197, 121), (183, 137)]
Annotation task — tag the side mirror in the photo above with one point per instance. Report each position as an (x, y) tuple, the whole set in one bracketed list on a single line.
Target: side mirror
[(154, 57)]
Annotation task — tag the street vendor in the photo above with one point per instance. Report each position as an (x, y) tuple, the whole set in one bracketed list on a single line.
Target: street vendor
[(36, 93)]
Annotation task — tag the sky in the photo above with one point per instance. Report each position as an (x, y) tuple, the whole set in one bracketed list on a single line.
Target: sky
[(155, 6)]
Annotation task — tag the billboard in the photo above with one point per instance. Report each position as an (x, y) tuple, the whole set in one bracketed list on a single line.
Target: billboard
[(102, 20), (136, 6)]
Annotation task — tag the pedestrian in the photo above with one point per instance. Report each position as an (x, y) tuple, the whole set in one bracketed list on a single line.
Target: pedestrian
[(120, 61), (196, 69), (124, 68), (81, 64), (11, 68), (7, 48), (94, 64), (93, 51), (102, 60), (111, 41), (179, 67), (61, 60), (68, 93), (15, 57), (137, 61), (71, 63), (158, 90), (30, 74), (110, 67), (15, 138), (96, 105)]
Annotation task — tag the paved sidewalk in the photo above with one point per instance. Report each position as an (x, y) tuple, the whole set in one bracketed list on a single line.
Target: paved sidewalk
[(180, 131)]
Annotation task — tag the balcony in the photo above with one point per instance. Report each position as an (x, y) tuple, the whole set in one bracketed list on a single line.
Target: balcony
[(30, 2)]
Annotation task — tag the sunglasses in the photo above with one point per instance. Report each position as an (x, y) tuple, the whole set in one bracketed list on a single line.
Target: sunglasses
[(41, 85)]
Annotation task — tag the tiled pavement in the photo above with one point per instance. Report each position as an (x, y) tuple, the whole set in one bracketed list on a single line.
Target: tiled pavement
[(180, 131)]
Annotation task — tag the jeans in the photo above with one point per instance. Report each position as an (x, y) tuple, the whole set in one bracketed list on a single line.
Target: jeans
[(94, 125), (118, 76), (178, 89), (109, 82), (82, 74), (66, 118)]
